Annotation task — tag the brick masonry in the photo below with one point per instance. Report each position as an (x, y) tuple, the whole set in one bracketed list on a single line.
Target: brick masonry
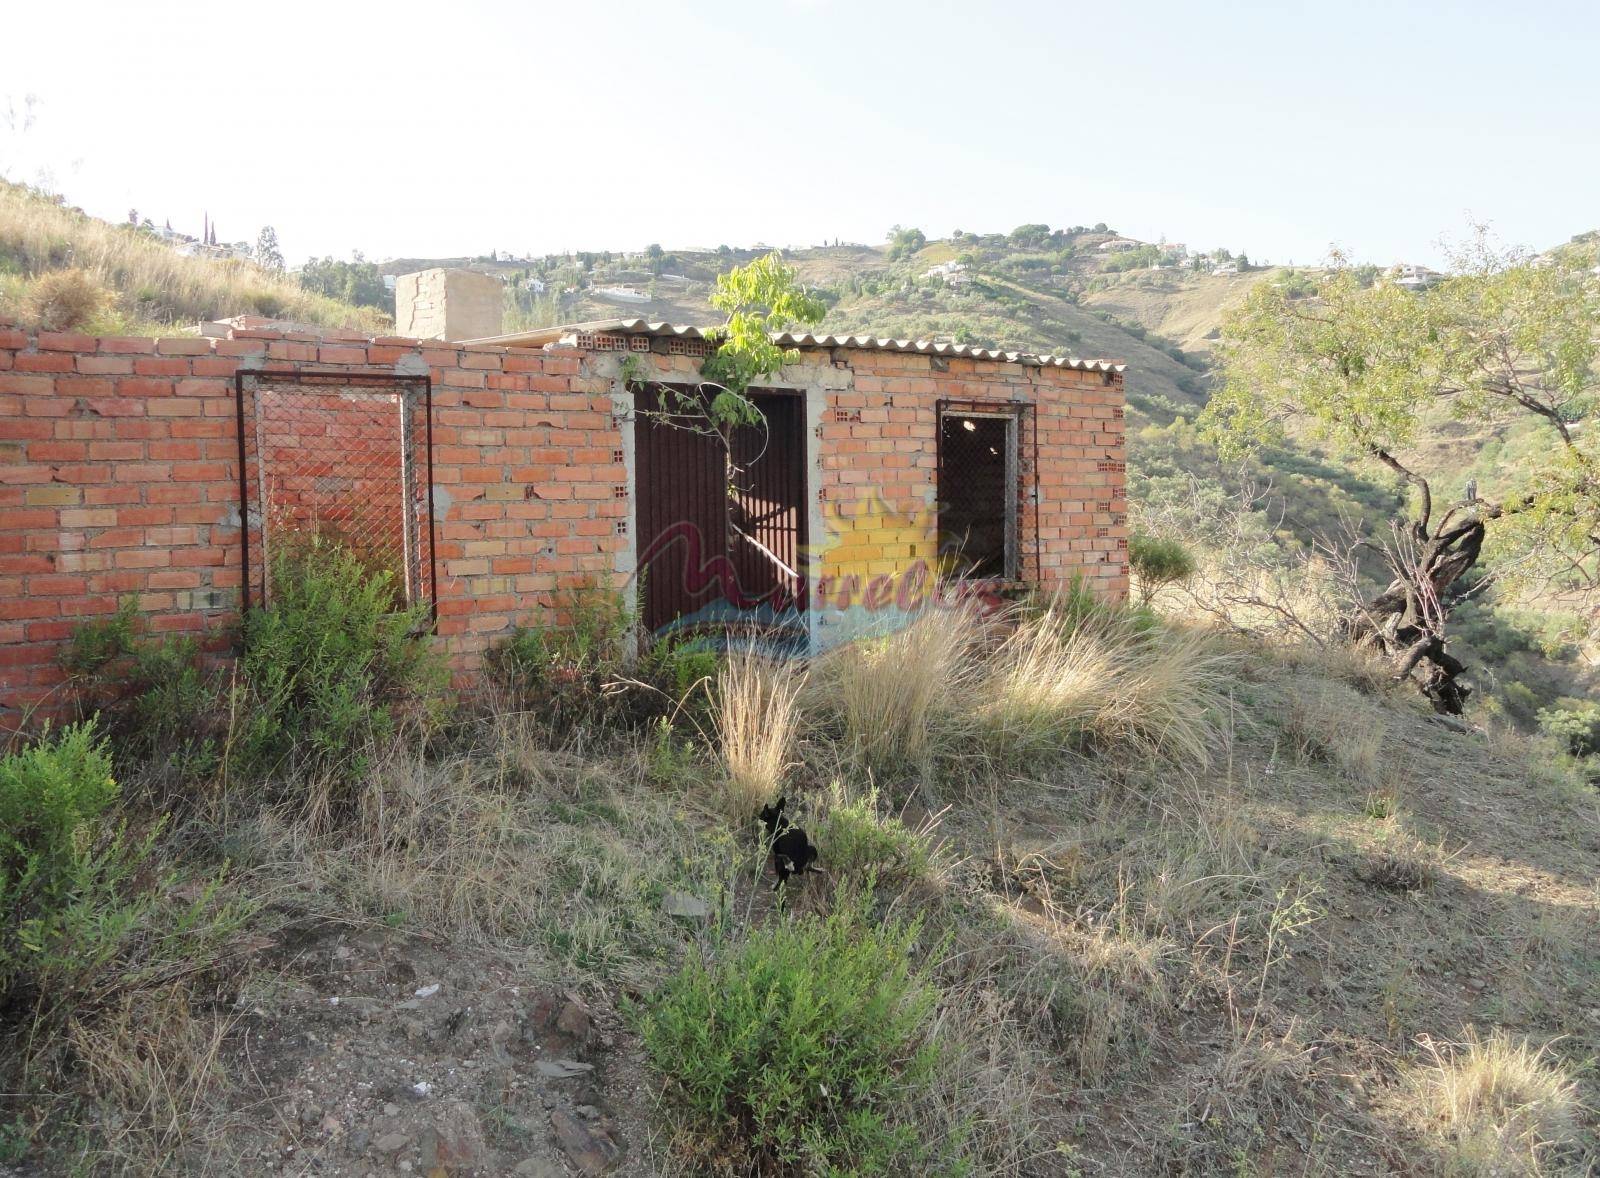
[(118, 476)]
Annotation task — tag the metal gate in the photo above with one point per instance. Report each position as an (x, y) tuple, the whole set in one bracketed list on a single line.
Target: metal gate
[(717, 545), (346, 456)]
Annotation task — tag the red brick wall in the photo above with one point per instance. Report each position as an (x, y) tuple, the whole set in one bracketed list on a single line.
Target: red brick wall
[(880, 466), (118, 476)]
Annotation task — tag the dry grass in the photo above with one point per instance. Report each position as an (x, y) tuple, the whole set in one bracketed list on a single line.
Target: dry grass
[(156, 1058), (1497, 1105), (756, 704), (64, 300), (154, 284), (1160, 694), (902, 699)]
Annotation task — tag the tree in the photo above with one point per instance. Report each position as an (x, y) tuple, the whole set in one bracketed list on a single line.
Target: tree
[(1158, 561), (358, 282), (268, 255), (1500, 341), (905, 242), (1031, 236), (761, 298)]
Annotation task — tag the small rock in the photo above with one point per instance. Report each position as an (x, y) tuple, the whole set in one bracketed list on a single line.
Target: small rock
[(331, 1125), (588, 1112), (591, 1149), (457, 1136), (562, 1069), (538, 1168), (575, 1020), (391, 1109), (422, 1089), (685, 905), (391, 1142), (427, 991)]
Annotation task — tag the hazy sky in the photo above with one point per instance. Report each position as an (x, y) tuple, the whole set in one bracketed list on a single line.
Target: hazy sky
[(457, 128)]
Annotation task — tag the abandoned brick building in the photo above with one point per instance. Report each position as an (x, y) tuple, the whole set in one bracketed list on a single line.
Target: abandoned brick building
[(492, 474)]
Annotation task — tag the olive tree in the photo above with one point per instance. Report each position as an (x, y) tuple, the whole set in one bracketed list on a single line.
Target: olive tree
[(1366, 367)]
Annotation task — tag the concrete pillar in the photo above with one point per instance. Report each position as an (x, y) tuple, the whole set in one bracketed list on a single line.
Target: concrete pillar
[(448, 305)]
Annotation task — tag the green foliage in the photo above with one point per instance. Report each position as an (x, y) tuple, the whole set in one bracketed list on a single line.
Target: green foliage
[(332, 668), (683, 663), (54, 801), (1364, 363), (759, 298), (862, 841), (584, 633), (801, 1049), (905, 242), (1575, 723), (358, 281), (158, 699), (78, 898), (1158, 561)]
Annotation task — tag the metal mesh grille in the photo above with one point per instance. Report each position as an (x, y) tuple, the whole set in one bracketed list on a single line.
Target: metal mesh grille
[(343, 456)]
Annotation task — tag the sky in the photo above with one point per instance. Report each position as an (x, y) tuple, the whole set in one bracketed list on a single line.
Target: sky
[(442, 130)]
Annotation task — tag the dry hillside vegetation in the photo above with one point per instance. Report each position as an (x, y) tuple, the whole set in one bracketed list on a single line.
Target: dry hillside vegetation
[(61, 270), (1105, 895)]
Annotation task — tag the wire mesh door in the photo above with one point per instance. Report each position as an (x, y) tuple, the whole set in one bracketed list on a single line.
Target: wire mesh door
[(343, 457)]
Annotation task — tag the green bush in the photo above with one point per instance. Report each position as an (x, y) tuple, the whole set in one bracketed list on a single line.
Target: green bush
[(332, 668), (802, 1050), (862, 841), (1574, 722), (1158, 561), (82, 911), (55, 800), (585, 633)]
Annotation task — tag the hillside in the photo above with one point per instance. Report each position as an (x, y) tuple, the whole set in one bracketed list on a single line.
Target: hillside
[(1120, 898), (63, 269)]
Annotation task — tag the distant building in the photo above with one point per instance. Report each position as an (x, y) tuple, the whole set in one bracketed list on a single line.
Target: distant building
[(1117, 244), (621, 294), (1414, 277), (1224, 270), (950, 273)]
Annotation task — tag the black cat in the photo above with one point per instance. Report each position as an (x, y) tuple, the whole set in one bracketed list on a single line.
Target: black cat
[(792, 852)]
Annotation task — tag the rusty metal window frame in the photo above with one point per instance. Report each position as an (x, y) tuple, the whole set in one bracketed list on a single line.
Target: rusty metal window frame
[(1022, 474), (414, 394)]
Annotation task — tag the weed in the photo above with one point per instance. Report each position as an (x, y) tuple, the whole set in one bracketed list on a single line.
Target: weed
[(802, 1047), (1496, 1105), (756, 707), (332, 669)]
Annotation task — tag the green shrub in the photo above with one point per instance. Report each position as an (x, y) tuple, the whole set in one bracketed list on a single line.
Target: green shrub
[(332, 668), (1158, 561), (157, 701), (860, 840), (55, 799), (682, 664), (1574, 722), (802, 1049), (586, 632), (76, 893)]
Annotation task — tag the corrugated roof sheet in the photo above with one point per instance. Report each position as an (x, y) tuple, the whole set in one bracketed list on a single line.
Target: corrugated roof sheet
[(569, 332)]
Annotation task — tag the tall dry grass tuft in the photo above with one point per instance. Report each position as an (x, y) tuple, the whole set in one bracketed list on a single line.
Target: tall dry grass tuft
[(902, 698), (1497, 1105), (756, 705), (155, 284), (1157, 693)]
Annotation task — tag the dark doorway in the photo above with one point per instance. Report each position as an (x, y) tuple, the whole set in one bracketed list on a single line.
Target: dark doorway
[(977, 497), (720, 545)]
